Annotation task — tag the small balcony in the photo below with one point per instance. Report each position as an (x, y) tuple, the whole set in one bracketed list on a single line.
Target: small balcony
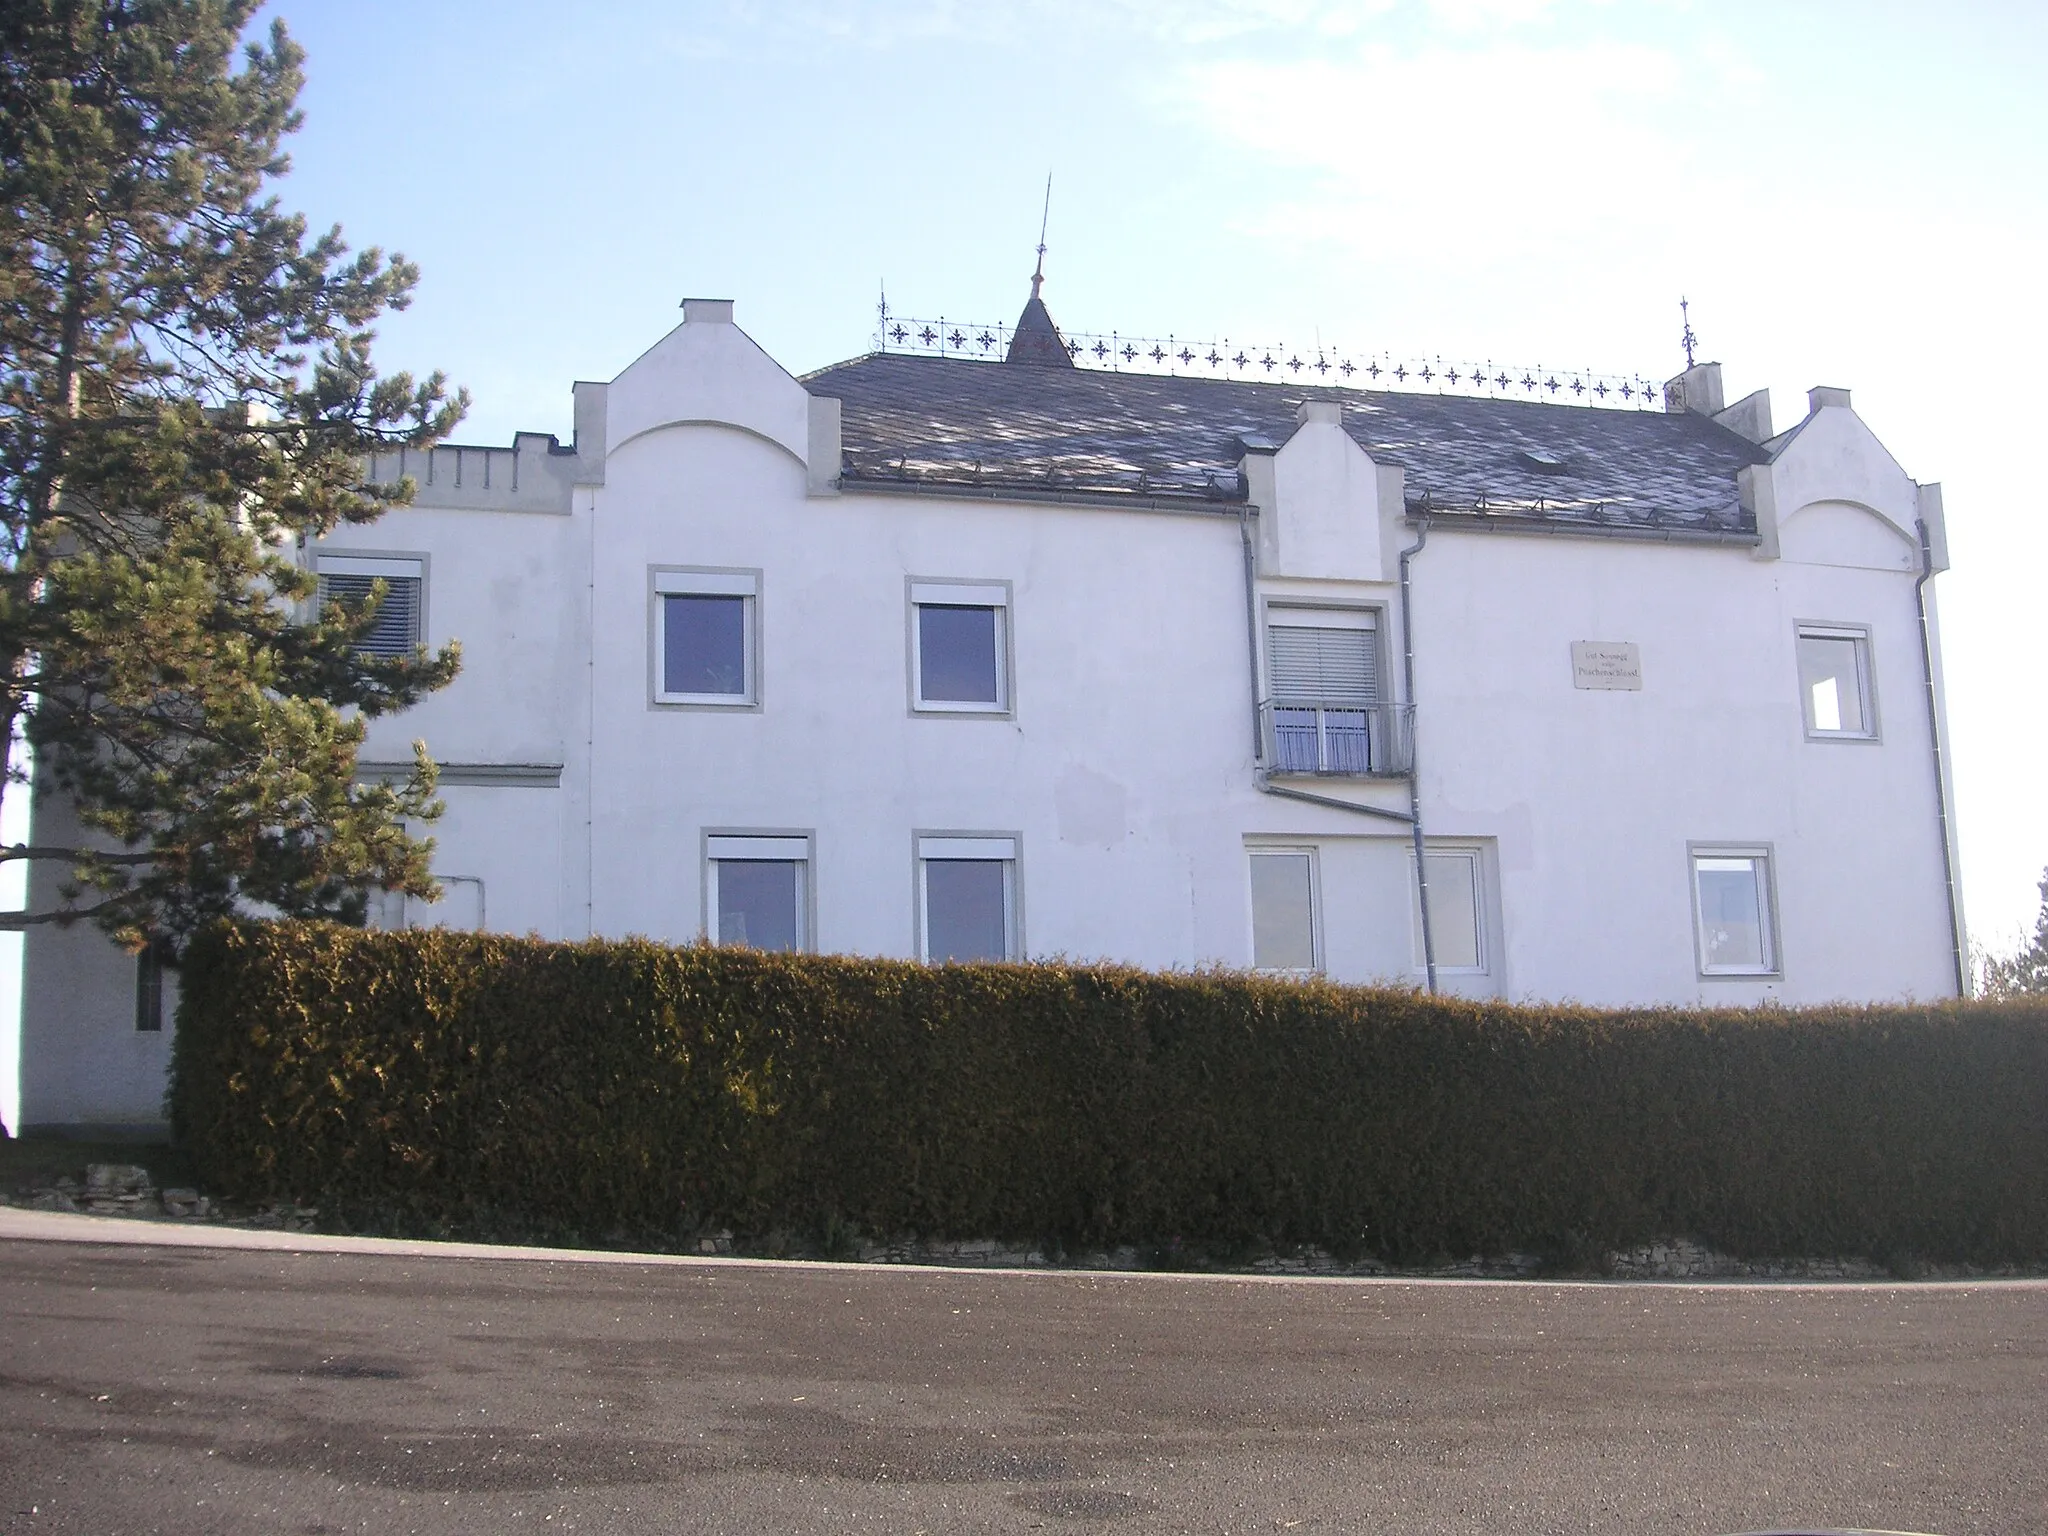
[(1340, 742)]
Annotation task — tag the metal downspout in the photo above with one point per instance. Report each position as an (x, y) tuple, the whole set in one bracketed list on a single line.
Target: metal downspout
[(1251, 636), (1329, 800), (1414, 779), (1948, 863)]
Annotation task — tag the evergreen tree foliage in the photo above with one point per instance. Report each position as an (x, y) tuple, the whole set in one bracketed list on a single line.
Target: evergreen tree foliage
[(186, 398), (2026, 973)]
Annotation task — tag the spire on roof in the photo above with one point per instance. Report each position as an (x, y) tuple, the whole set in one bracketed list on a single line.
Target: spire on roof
[(1036, 339)]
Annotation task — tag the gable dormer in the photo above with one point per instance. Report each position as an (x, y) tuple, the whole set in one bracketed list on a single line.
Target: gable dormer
[(709, 372), (1832, 494)]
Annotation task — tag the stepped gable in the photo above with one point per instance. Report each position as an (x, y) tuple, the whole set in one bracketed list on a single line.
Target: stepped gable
[(951, 422)]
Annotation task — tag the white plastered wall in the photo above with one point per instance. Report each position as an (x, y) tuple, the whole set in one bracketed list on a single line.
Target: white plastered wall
[(1593, 795), (85, 1067)]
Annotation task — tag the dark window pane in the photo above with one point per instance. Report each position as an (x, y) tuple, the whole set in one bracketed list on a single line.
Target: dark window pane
[(149, 989), (956, 654), (963, 910), (758, 902), (704, 644)]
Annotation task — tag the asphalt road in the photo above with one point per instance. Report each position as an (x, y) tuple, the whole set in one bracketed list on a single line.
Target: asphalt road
[(193, 1390)]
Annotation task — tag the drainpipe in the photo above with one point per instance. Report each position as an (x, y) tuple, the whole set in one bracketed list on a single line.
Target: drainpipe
[(1948, 863), (1414, 778), (590, 723), (1330, 801), (1251, 636)]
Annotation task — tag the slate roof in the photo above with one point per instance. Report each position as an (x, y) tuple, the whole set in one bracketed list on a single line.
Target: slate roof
[(956, 424)]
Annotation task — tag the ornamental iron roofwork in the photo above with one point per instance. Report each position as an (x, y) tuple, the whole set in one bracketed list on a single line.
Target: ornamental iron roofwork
[(1114, 352)]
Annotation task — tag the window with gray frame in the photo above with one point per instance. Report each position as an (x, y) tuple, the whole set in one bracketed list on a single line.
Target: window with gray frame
[(960, 661), (1734, 912), (354, 579), (1284, 936), (1834, 681), (967, 898), (757, 890), (704, 650)]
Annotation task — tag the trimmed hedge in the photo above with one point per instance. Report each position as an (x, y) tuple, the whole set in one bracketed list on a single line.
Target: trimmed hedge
[(454, 1081)]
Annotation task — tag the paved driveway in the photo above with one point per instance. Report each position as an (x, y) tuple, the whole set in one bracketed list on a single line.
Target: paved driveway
[(185, 1389)]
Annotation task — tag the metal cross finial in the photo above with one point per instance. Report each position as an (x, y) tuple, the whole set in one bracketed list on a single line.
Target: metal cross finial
[(1038, 276), (1689, 340)]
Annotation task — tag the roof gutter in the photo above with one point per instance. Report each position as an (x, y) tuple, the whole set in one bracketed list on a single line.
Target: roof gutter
[(1941, 818), (1189, 505), (1563, 528)]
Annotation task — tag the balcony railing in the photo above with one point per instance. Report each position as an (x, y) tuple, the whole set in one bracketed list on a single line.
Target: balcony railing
[(1313, 738)]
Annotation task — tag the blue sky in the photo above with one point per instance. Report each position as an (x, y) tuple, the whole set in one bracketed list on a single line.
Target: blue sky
[(1850, 194)]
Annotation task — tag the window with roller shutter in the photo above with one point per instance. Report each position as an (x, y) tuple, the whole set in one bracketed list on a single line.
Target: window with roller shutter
[(397, 627), (1314, 664), (1322, 668)]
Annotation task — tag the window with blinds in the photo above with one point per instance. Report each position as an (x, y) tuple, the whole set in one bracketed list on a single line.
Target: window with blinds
[(396, 629), (1318, 663)]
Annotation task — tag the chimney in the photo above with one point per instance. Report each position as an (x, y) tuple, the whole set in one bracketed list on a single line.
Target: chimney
[(1697, 390)]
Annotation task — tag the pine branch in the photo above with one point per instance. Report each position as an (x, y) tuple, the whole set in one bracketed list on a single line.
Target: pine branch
[(10, 852), (63, 917)]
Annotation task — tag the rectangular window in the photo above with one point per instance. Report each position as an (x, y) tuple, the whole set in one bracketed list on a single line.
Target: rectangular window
[(1457, 910), (399, 623), (967, 898), (1322, 669), (758, 891), (1284, 910), (704, 637), (1734, 912), (959, 647), (1834, 682), (149, 988)]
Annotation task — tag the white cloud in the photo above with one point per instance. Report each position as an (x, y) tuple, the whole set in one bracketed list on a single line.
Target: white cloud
[(1476, 151), (1485, 15), (883, 24)]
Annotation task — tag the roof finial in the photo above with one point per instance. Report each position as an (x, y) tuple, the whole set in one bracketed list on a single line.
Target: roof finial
[(1038, 276), (1688, 340), (1036, 339)]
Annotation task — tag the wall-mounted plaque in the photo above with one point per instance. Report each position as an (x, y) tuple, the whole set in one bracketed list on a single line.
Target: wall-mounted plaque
[(1606, 664)]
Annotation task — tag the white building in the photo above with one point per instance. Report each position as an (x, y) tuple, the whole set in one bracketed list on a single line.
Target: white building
[(924, 656)]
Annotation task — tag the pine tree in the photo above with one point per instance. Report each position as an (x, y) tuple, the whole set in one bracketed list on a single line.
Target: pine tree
[(186, 398), (2026, 973)]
